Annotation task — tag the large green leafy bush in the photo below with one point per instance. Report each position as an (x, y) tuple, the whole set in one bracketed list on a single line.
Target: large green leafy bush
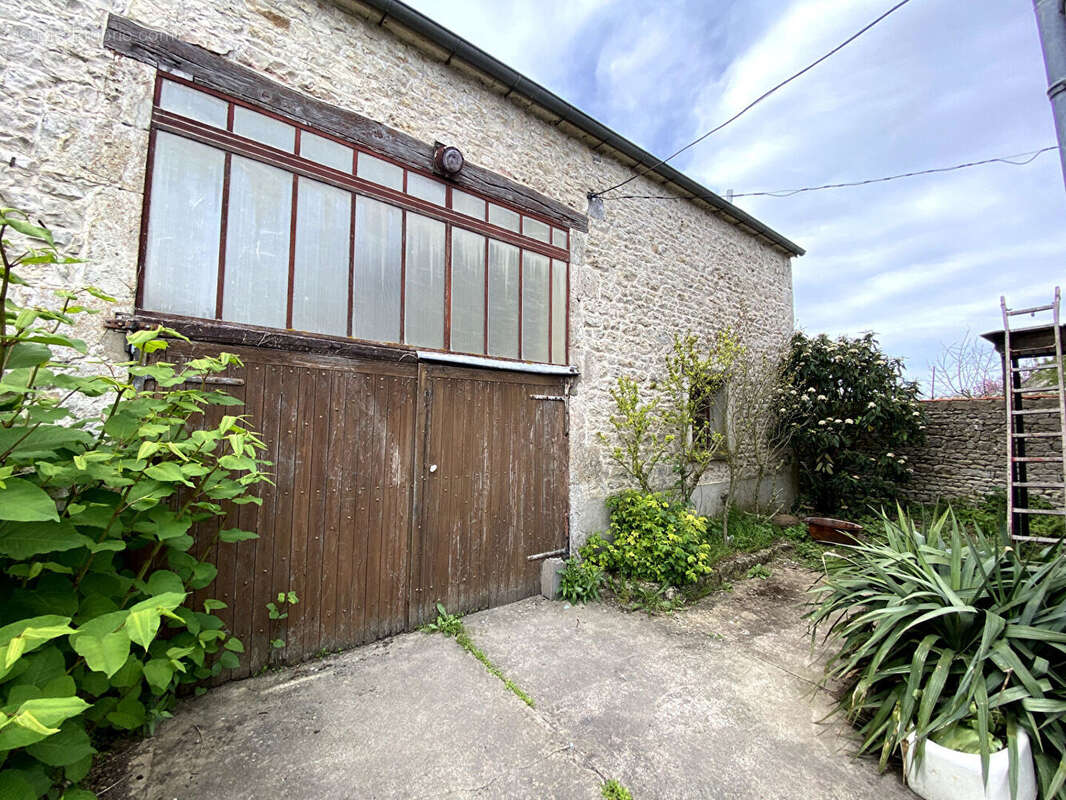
[(849, 412), (652, 538), (98, 561), (949, 632)]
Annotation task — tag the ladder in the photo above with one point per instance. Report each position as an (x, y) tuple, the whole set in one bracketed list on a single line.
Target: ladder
[(1019, 510)]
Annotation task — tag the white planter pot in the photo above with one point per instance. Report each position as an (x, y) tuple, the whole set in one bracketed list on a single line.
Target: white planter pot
[(945, 774)]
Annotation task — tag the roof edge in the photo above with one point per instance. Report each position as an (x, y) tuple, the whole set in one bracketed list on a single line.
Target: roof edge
[(518, 84)]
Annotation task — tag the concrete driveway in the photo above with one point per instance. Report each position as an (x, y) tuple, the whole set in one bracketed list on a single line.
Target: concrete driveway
[(715, 701)]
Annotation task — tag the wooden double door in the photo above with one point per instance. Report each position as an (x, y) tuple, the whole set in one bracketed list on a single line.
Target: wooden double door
[(395, 486)]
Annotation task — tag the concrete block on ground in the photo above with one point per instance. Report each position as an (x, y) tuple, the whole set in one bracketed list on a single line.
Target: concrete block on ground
[(550, 580)]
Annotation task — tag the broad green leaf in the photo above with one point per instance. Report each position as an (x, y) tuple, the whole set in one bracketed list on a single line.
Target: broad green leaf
[(71, 744), (22, 540), (142, 626), (103, 642), (159, 672), (27, 354), (27, 635), (231, 535), (22, 501), (169, 472), (43, 441), (13, 786), (36, 719)]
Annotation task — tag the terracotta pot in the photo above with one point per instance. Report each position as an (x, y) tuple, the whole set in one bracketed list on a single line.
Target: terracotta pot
[(833, 531)]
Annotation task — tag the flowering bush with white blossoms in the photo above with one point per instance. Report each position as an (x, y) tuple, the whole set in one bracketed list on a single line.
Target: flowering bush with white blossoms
[(850, 412)]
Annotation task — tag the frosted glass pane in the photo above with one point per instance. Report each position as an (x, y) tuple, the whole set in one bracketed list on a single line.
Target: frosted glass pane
[(423, 187), (382, 172), (559, 238), (468, 292), (468, 204), (193, 104), (378, 239), (181, 261), (503, 299), (559, 269), (424, 284), (320, 282), (257, 244), (326, 151), (535, 229), (535, 277), (261, 128), (504, 217)]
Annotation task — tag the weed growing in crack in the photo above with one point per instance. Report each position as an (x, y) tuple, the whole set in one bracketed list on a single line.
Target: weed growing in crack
[(452, 625), (613, 790)]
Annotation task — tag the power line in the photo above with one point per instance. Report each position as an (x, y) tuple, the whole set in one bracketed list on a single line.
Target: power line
[(754, 102), (1027, 158)]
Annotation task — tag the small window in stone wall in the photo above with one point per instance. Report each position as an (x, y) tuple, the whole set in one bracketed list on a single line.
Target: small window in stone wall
[(254, 218), (711, 416)]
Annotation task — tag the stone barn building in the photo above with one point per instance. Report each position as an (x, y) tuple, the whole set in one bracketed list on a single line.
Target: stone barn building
[(392, 230)]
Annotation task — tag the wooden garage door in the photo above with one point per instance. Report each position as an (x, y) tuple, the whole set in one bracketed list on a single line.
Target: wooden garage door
[(493, 488), (395, 485)]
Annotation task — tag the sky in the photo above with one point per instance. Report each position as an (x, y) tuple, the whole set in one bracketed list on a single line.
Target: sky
[(922, 261)]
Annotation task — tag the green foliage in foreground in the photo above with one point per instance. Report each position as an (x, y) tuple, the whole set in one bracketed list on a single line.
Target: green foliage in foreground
[(944, 628), (452, 625), (97, 558)]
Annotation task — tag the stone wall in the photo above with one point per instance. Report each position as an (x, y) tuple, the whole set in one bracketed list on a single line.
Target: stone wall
[(76, 132), (965, 454)]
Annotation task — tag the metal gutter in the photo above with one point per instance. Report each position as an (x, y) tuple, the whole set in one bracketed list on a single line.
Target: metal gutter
[(517, 84)]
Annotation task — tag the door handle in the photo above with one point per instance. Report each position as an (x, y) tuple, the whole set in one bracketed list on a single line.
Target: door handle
[(432, 468)]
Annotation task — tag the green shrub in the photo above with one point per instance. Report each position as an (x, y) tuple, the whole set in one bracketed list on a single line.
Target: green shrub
[(944, 629), (652, 539), (849, 412), (580, 581), (97, 557)]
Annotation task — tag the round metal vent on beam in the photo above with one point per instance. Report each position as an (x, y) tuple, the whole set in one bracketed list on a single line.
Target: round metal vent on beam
[(448, 160)]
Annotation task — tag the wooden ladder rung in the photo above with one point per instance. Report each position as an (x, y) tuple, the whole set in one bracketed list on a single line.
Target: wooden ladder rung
[(1019, 311), (1049, 435), (1044, 539), (1039, 485), (1037, 459), (1036, 411), (1048, 390), (1051, 512)]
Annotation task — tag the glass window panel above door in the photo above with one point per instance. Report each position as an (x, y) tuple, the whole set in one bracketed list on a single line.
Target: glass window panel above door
[(535, 229), (376, 284), (504, 217), (424, 282), (503, 299), (559, 238), (535, 279), (190, 103), (269, 131), (255, 289), (468, 204), (468, 292), (320, 266), (380, 171), (426, 188), (326, 152), (181, 258)]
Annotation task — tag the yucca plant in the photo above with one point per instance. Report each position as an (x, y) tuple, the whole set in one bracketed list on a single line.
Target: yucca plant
[(945, 629)]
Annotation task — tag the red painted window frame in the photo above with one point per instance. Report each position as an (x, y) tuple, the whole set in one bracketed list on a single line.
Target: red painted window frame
[(231, 144)]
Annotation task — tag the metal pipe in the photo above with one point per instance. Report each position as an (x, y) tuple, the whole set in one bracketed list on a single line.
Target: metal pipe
[(1051, 22)]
